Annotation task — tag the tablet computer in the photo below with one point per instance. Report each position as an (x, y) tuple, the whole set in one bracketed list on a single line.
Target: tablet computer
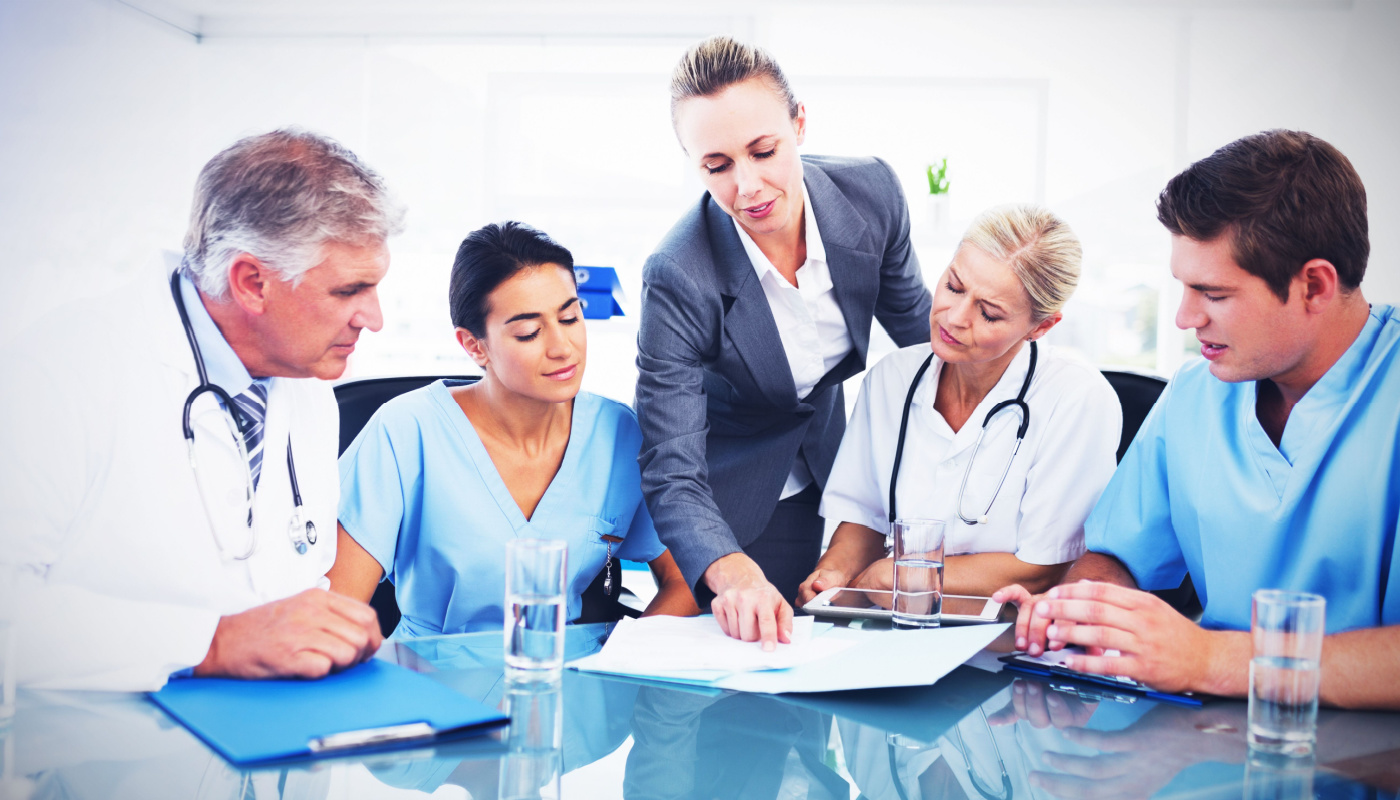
[(875, 603)]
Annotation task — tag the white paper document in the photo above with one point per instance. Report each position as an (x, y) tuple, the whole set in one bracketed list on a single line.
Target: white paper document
[(696, 649), (820, 658)]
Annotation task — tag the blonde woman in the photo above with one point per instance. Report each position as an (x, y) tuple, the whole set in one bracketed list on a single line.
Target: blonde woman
[(755, 307), (1004, 289)]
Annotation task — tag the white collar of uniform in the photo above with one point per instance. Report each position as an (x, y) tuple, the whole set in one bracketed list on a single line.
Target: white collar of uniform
[(225, 369), (816, 251), (1005, 388)]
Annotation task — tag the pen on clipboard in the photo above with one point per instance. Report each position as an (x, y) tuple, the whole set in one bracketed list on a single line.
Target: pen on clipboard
[(371, 736)]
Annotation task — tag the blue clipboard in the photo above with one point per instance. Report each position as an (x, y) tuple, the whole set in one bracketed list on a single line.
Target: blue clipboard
[(1016, 663), (370, 707)]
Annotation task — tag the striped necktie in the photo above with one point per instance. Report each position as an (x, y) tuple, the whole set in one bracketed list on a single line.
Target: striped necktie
[(252, 406)]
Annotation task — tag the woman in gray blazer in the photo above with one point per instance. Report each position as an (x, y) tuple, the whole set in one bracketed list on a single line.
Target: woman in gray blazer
[(755, 307)]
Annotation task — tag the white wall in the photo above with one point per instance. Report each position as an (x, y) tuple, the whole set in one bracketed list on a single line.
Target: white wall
[(106, 115)]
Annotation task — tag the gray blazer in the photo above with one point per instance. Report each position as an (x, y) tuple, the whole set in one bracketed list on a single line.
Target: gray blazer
[(720, 416)]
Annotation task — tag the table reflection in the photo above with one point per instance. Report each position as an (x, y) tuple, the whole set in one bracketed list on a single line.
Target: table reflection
[(1116, 749), (728, 745), (975, 734), (100, 746)]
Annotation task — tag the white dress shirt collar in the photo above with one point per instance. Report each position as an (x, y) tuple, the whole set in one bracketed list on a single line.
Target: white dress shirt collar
[(816, 251), (225, 369)]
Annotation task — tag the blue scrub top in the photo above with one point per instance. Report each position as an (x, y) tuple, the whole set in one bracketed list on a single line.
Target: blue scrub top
[(420, 493), (1204, 489)]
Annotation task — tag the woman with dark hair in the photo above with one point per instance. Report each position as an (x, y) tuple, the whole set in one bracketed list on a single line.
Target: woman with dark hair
[(442, 477)]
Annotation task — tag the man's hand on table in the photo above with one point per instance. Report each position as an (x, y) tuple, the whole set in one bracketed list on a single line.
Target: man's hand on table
[(307, 635), (746, 605), (1156, 645)]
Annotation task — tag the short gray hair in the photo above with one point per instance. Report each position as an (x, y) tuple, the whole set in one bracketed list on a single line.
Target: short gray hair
[(280, 197), (1039, 247), (718, 63)]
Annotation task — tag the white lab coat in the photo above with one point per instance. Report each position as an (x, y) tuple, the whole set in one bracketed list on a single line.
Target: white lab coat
[(1061, 469), (121, 582)]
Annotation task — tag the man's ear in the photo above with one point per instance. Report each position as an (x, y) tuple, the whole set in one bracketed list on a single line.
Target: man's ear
[(1318, 284), (248, 283), (1044, 326), (476, 348)]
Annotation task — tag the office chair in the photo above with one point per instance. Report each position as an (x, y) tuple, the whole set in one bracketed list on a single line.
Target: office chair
[(1137, 393), (358, 400)]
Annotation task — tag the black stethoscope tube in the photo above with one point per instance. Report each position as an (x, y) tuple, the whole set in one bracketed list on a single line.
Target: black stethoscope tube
[(300, 534), (1019, 402)]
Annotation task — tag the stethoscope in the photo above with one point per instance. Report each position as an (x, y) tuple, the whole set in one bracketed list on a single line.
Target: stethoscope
[(1019, 402), (987, 792), (301, 530)]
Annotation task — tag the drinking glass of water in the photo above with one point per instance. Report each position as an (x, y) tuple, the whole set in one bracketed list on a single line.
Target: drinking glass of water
[(535, 602), (1287, 667), (918, 573)]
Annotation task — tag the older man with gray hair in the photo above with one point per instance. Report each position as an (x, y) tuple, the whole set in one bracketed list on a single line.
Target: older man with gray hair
[(169, 484)]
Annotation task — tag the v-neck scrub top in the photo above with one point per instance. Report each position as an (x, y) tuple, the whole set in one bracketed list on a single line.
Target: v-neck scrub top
[(1204, 489), (1056, 477), (421, 494)]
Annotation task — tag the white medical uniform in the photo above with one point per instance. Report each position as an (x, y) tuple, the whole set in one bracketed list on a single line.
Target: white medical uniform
[(1064, 463), (121, 582)]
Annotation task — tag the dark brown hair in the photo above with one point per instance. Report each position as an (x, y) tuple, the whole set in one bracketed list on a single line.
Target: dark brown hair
[(1284, 198), (489, 257)]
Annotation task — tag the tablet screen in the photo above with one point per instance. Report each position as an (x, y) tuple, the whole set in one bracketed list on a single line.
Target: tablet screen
[(872, 599)]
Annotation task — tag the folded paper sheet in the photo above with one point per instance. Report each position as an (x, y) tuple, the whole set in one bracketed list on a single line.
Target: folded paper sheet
[(695, 649), (820, 659)]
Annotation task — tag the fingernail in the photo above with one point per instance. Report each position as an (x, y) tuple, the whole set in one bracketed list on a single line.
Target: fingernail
[(1021, 642), (1035, 650), (1042, 608), (1054, 700), (1069, 662), (1053, 632), (1054, 592), (768, 646)]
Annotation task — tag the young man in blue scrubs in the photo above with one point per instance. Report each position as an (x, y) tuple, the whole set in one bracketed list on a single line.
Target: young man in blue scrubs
[(1273, 462)]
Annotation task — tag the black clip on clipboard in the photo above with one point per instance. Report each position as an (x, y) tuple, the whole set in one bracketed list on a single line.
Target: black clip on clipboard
[(1117, 689)]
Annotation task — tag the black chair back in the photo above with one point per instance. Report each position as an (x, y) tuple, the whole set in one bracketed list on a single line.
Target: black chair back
[(358, 400), (1136, 394)]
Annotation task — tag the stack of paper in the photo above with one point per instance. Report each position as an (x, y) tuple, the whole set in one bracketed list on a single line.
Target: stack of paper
[(819, 659), (695, 649)]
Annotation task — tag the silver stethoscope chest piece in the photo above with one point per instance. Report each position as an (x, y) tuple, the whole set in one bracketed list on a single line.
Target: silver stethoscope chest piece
[(1018, 403), (300, 530)]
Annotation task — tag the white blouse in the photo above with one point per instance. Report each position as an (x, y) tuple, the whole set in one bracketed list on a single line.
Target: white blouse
[(810, 324), (1063, 466)]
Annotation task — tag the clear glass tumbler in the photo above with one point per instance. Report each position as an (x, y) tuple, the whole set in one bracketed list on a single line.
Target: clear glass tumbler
[(536, 570), (1287, 667), (918, 573)]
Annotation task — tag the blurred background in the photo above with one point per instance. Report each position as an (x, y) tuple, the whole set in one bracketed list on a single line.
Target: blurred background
[(556, 113)]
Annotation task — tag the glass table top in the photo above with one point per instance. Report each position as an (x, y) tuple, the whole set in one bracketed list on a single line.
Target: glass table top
[(975, 734)]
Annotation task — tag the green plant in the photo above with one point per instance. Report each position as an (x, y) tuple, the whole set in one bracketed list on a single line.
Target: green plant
[(938, 177)]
